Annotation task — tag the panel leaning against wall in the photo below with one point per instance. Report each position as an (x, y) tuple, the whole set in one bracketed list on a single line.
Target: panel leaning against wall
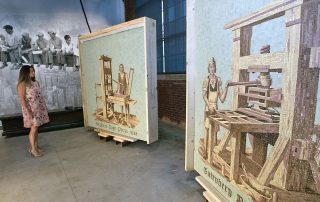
[(118, 75), (263, 144)]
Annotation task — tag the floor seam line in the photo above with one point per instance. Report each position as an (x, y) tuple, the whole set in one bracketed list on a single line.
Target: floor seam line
[(65, 174)]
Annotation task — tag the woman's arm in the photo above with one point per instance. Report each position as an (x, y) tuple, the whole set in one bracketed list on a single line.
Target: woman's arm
[(22, 96)]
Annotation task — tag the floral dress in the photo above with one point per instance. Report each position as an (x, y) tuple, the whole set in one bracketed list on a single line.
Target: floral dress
[(36, 105)]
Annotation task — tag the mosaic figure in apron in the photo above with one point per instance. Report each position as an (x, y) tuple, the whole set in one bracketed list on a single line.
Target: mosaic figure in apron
[(211, 91)]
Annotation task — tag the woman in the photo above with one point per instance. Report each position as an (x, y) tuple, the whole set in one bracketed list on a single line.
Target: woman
[(34, 109)]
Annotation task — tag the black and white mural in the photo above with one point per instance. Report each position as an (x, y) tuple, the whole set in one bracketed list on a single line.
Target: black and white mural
[(45, 34)]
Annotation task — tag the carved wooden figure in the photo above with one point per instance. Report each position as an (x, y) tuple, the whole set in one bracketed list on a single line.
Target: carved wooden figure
[(116, 102)]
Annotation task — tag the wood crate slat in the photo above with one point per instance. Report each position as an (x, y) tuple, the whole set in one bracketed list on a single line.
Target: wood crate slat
[(106, 134)]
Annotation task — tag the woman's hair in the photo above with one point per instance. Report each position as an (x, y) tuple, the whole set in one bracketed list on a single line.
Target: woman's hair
[(24, 75)]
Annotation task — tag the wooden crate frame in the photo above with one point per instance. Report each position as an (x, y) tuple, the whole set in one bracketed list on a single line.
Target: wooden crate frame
[(150, 77), (298, 75)]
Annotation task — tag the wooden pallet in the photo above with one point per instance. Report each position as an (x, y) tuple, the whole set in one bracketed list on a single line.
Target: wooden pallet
[(119, 139), (210, 193)]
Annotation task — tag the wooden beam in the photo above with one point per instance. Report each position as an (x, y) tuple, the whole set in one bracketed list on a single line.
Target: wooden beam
[(240, 49), (300, 86), (245, 40), (237, 147), (103, 133), (259, 150), (293, 22), (223, 143), (103, 87), (271, 11), (210, 197), (251, 166), (259, 68), (269, 138), (190, 91), (316, 175), (235, 67), (212, 140), (223, 161), (111, 30), (151, 100), (273, 161), (261, 97), (255, 128), (276, 61), (83, 88)]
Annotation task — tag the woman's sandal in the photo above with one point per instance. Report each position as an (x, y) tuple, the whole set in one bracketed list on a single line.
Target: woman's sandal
[(34, 155), (39, 150)]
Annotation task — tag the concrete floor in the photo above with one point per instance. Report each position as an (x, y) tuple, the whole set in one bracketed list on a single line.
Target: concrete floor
[(80, 167)]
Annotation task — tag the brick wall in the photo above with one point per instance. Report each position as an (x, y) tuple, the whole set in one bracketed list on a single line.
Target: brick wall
[(172, 99), (171, 87)]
